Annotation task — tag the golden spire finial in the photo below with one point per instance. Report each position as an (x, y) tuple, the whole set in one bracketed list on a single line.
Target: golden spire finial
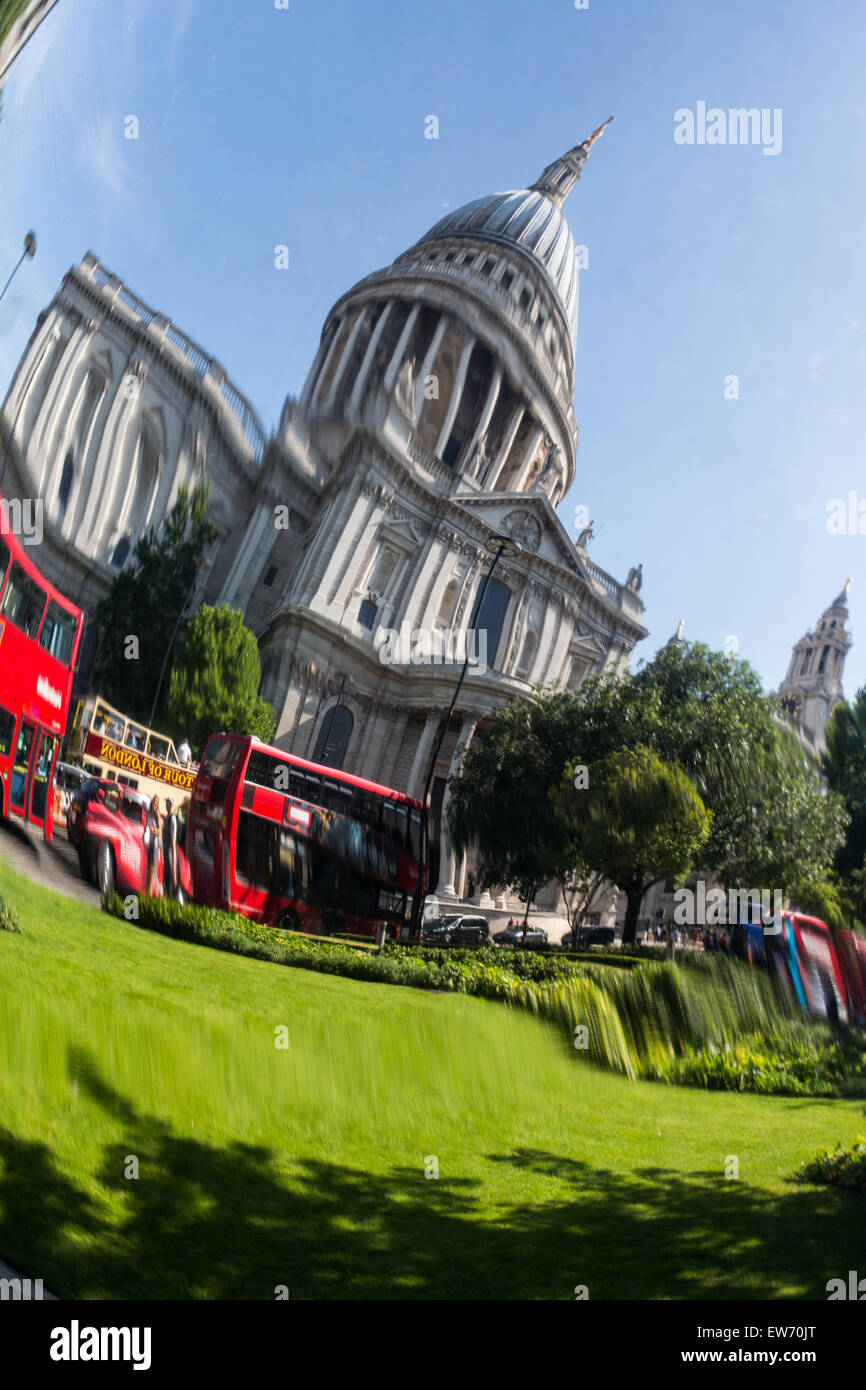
[(588, 144), (847, 589), (680, 625)]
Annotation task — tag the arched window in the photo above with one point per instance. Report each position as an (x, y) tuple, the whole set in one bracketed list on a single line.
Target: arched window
[(383, 571), (333, 737), (90, 400), (145, 475), (446, 607), (120, 555), (490, 616), (65, 487), (527, 656)]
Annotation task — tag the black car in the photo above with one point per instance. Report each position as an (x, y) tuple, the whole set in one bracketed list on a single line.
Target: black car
[(515, 936), (588, 936), (456, 929)]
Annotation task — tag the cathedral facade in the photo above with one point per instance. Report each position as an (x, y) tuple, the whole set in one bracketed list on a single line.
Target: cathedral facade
[(435, 425)]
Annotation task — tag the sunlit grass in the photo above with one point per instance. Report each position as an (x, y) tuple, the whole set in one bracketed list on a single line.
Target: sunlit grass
[(306, 1166)]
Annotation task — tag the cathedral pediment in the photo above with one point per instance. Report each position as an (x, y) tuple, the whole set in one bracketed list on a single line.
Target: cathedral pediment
[(530, 521), (403, 532)]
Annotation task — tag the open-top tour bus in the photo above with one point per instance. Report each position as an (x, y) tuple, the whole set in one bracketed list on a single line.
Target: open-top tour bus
[(107, 744)]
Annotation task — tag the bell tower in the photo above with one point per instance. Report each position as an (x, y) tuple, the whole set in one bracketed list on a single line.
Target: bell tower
[(813, 684)]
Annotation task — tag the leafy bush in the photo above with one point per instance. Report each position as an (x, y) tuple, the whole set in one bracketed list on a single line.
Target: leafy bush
[(839, 1167), (789, 1063), (8, 916)]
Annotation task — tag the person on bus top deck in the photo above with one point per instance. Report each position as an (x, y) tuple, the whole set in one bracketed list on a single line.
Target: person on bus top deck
[(184, 753), (169, 850), (153, 849)]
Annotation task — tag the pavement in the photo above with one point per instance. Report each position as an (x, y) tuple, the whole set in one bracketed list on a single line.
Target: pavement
[(53, 866)]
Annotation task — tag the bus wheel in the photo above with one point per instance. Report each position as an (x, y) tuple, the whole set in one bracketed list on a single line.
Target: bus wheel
[(105, 876), (289, 921)]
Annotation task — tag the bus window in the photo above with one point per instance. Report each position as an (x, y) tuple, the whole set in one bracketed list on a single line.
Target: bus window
[(23, 601), (395, 815), (5, 556), (21, 766), (220, 757), (314, 788), (336, 797), (415, 834), (295, 871), (41, 774), (58, 633), (257, 853), (7, 731), (297, 785), (259, 769)]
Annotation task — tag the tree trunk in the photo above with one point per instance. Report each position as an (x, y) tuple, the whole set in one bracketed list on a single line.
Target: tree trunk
[(634, 897), (526, 913)]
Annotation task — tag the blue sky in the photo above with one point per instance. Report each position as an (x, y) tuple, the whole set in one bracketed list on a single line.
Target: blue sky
[(305, 127)]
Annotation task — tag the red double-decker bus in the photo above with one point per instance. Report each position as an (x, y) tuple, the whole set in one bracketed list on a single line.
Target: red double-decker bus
[(299, 845), (39, 635)]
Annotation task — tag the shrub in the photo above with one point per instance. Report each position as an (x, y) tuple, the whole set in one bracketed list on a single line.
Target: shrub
[(840, 1168), (8, 916)]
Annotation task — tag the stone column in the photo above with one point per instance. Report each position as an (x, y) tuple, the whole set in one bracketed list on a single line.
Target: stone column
[(421, 760), (499, 462), (364, 371), (447, 854), (401, 719), (242, 579)]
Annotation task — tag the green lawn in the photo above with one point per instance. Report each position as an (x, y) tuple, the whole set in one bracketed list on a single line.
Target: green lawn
[(305, 1167)]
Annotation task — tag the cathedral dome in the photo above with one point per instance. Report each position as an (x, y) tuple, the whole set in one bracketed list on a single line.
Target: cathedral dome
[(530, 222)]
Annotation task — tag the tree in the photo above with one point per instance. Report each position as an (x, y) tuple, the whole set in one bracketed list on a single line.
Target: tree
[(146, 603), (215, 680), (637, 820), (844, 764), (500, 803), (695, 709)]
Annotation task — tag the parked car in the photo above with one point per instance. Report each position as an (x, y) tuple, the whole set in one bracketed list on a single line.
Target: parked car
[(515, 936), (588, 936), (106, 823), (456, 929)]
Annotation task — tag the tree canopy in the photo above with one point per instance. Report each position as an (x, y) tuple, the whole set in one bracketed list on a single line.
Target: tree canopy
[(845, 768), (700, 711), (635, 820), (215, 680), (146, 602)]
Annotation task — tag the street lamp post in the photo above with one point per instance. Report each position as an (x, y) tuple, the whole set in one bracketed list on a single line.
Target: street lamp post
[(199, 565), (496, 545), (29, 250)]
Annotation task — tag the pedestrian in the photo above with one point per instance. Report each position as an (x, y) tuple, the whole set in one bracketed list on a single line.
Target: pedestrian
[(169, 850), (151, 840), (184, 753)]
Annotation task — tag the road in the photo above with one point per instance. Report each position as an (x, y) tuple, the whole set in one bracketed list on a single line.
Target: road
[(53, 866)]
